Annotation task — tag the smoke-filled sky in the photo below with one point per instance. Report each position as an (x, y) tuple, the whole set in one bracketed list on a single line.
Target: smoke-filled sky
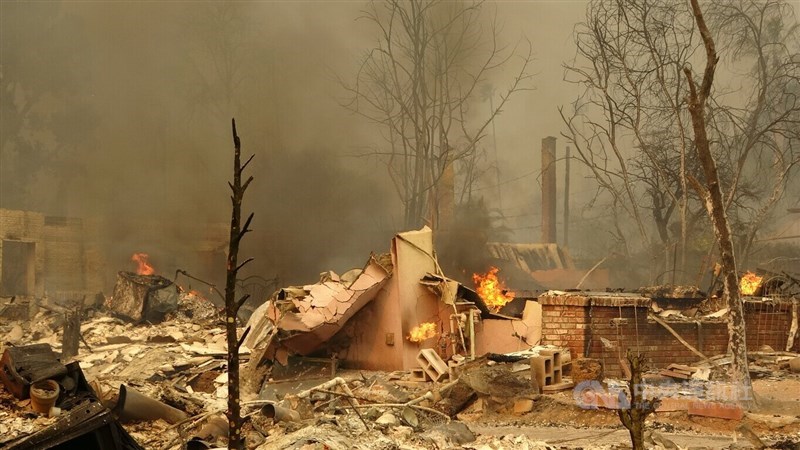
[(130, 104)]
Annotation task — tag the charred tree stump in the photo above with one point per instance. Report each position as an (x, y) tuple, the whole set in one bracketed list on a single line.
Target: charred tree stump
[(633, 417), (232, 305)]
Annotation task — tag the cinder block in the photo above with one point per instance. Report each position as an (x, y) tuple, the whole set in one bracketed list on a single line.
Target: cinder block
[(419, 375), (542, 370), (556, 354), (432, 364)]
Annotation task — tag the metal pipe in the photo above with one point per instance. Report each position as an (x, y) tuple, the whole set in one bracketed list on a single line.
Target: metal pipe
[(471, 334), (453, 333), (133, 405), (458, 317), (279, 413), (338, 381)]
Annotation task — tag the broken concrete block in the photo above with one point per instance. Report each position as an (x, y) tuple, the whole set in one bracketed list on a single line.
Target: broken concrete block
[(715, 409), (587, 369), (522, 405)]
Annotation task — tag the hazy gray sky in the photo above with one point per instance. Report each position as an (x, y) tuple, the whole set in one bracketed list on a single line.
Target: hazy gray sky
[(143, 86)]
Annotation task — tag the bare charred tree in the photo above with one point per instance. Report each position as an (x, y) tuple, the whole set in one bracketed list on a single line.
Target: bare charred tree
[(711, 193), (630, 56), (762, 138), (232, 305), (633, 417), (630, 61), (419, 85)]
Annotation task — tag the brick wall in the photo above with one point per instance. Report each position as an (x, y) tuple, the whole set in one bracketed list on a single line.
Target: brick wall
[(64, 256), (24, 226), (606, 327), (59, 256), (565, 324)]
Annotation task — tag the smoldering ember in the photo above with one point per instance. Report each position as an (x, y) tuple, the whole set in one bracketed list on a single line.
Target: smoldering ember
[(447, 225)]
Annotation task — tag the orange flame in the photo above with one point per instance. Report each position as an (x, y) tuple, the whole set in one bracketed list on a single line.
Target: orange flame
[(750, 283), (144, 267), (196, 294), (491, 289), (422, 332)]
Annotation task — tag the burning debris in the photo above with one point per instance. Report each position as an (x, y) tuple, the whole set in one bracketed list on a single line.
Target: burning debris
[(423, 332), (143, 297), (142, 261), (451, 357), (492, 290), (750, 283)]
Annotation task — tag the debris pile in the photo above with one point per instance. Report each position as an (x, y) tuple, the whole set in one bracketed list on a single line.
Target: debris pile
[(149, 370)]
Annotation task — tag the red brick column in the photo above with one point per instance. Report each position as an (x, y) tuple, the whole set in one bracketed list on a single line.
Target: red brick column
[(565, 322)]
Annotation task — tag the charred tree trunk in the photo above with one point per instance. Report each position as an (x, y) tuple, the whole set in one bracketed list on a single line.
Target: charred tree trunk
[(232, 305), (711, 193), (633, 417)]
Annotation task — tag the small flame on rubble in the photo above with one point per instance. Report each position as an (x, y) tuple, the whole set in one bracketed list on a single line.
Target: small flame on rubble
[(491, 289), (422, 332), (144, 267), (750, 283), (194, 293)]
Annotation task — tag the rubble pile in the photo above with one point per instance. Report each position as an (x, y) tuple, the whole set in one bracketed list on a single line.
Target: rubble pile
[(178, 366), (179, 363), (339, 364)]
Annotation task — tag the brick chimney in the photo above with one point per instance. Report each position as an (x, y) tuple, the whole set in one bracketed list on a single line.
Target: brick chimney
[(549, 190)]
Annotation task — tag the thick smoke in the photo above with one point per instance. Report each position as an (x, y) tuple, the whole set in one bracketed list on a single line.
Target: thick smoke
[(120, 114)]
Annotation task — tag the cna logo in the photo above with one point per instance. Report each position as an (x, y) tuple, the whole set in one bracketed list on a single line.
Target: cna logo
[(591, 394)]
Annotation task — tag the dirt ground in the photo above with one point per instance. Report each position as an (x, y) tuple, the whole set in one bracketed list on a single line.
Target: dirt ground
[(556, 421)]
